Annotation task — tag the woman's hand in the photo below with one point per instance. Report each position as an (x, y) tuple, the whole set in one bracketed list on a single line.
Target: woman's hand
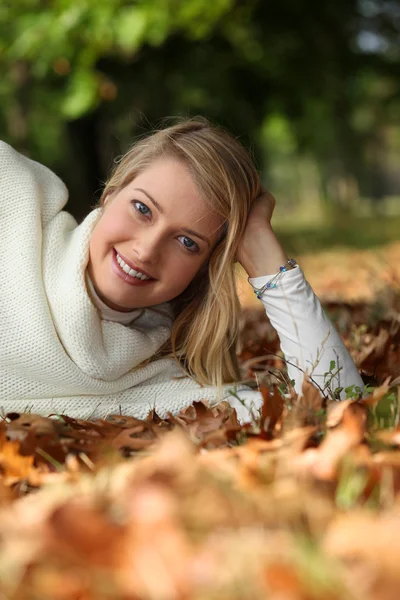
[(262, 208), (260, 252)]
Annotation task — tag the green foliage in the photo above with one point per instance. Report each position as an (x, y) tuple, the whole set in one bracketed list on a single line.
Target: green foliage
[(352, 484), (294, 78), (82, 94), (68, 38)]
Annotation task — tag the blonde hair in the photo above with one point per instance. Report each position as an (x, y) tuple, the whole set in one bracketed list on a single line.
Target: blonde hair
[(205, 330)]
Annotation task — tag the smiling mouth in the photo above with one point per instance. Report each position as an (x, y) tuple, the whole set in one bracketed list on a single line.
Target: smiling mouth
[(129, 270)]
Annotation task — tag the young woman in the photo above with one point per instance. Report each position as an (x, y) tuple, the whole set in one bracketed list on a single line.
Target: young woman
[(136, 308)]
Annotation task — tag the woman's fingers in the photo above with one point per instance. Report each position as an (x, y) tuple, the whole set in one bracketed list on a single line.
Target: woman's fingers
[(263, 207)]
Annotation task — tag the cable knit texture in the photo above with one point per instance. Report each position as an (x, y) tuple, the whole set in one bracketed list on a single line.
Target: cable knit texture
[(56, 353)]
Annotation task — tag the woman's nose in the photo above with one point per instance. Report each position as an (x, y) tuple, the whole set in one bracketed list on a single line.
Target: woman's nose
[(147, 248)]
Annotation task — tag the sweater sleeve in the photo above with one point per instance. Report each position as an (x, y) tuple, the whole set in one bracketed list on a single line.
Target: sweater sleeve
[(28, 189), (308, 339)]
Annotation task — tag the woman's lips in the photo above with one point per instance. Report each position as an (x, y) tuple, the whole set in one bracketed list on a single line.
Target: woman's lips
[(125, 276), (131, 265)]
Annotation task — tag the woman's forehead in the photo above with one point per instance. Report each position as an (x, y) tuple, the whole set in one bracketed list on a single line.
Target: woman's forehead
[(170, 188)]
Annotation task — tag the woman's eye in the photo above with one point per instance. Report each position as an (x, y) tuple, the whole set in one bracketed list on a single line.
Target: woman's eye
[(188, 243), (142, 208)]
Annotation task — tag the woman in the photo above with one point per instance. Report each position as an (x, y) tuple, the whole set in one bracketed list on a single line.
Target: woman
[(136, 308)]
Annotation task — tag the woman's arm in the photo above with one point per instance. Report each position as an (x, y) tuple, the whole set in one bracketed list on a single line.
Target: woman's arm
[(308, 339)]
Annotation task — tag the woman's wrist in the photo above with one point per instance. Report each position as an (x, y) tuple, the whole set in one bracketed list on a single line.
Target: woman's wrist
[(262, 253)]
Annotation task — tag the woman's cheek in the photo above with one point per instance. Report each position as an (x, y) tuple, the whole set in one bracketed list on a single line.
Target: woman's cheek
[(189, 272)]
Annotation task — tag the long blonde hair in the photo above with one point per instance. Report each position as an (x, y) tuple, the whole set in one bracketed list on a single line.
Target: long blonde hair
[(205, 330)]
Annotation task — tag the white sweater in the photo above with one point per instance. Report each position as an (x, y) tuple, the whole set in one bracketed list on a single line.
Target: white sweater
[(57, 353)]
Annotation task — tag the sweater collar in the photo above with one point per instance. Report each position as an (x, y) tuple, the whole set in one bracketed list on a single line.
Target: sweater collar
[(107, 313)]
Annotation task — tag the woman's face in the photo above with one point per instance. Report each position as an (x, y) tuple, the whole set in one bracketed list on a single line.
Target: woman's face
[(152, 238)]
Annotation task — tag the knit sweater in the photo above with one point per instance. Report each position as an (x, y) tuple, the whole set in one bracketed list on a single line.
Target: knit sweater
[(57, 351)]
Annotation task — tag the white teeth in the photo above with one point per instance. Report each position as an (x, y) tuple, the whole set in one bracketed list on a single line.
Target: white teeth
[(126, 268)]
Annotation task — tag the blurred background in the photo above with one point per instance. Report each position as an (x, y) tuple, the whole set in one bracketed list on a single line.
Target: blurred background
[(311, 87)]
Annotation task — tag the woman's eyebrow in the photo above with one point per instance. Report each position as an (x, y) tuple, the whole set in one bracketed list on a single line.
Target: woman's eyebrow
[(202, 237), (156, 204)]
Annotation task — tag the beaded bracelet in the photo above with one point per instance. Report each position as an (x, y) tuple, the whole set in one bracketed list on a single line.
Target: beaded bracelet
[(272, 283)]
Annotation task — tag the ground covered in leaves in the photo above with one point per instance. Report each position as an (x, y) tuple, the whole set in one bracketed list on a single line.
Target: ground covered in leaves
[(301, 504)]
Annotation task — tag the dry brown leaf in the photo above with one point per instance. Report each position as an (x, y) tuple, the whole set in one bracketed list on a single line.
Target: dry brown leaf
[(207, 508), (272, 410), (335, 411), (323, 462), (364, 535), (377, 394)]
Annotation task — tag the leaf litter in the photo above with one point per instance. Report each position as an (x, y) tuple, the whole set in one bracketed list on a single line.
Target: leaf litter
[(300, 503)]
